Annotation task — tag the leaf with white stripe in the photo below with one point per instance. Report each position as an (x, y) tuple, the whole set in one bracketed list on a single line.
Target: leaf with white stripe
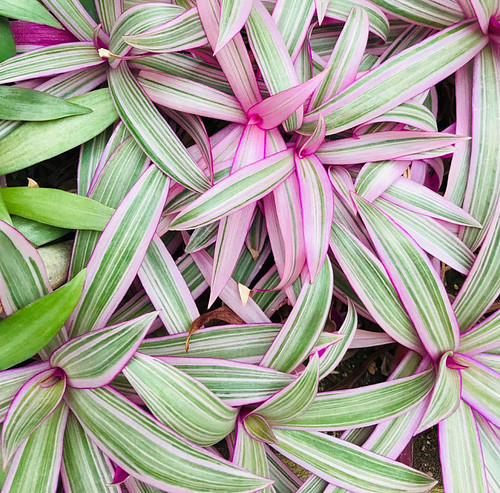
[(400, 78), (350, 466), (168, 392), (484, 11), (233, 15), (152, 132), (110, 272), (95, 358), (354, 408), (108, 12), (34, 402), (151, 452), (483, 337), (489, 436), (245, 186), (418, 285)]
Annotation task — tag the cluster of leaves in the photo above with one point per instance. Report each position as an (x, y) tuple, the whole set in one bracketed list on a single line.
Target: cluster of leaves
[(316, 172)]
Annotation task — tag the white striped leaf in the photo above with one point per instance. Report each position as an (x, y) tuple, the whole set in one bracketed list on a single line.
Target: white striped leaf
[(479, 388), (167, 289), (190, 97), (73, 16), (32, 405), (243, 187), (110, 272), (409, 114), (85, 469), (168, 393), (151, 452), (202, 238), (460, 453), (285, 479), (400, 78), (12, 380), (483, 185), (37, 463), (445, 397), (348, 465), (490, 447), (370, 281), (28, 10), (483, 337), (430, 235), (233, 15), (108, 12), (151, 131), (483, 10), (303, 326), (235, 383), (43, 140), (338, 410), (418, 285), (50, 60), (294, 399), (94, 359), (182, 33)]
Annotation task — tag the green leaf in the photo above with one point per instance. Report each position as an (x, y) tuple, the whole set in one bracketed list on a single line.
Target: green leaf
[(28, 330), (258, 428), (43, 140), (28, 10), (7, 45), (56, 207)]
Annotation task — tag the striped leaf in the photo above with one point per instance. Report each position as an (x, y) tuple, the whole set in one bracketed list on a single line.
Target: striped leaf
[(50, 60), (28, 10), (12, 380), (400, 78), (490, 445), (36, 465), (483, 337), (294, 399), (150, 451), (316, 197), (483, 10), (369, 279), (94, 359), (34, 403), (151, 131), (233, 15), (182, 33), (108, 12), (245, 186), (285, 479), (56, 207), (409, 114), (110, 272), (43, 140), (479, 384), (236, 384), (29, 329), (301, 330), (190, 97), (167, 289), (460, 453), (418, 285), (382, 146), (168, 392), (445, 397), (348, 465), (342, 409), (85, 469), (483, 185)]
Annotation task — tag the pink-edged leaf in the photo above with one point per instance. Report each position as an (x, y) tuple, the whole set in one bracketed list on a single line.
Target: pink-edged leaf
[(29, 36), (311, 143), (109, 271), (38, 459), (445, 397), (400, 78), (490, 447), (479, 388), (275, 109), (285, 479), (415, 279), (366, 338), (233, 57), (108, 12), (245, 186), (294, 399), (483, 337), (381, 146), (233, 16), (34, 402), (484, 10), (50, 60), (321, 6), (151, 452), (316, 197), (460, 452), (94, 359), (259, 429), (343, 64), (168, 392), (304, 324)]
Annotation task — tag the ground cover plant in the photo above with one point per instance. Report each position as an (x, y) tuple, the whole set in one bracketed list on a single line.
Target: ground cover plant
[(251, 191)]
